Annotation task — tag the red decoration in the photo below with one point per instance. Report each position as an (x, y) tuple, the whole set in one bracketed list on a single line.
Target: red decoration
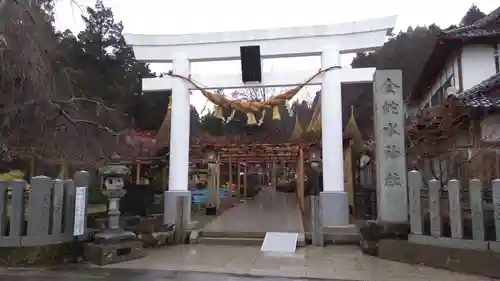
[(142, 140)]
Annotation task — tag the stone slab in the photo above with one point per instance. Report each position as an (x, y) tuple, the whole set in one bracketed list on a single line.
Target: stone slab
[(102, 254), (449, 242), (346, 229), (483, 263)]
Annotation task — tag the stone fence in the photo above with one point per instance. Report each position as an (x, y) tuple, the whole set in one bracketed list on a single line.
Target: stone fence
[(453, 217), (44, 212)]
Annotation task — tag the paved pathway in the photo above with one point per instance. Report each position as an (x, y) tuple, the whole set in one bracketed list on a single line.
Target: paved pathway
[(126, 275), (269, 211), (332, 263)]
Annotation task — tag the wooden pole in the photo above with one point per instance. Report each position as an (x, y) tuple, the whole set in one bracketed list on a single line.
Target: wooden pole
[(238, 186), (230, 183), (217, 180), (268, 173), (245, 182), (300, 179), (138, 174), (32, 167), (261, 176), (164, 177), (273, 174), (297, 180), (63, 170)]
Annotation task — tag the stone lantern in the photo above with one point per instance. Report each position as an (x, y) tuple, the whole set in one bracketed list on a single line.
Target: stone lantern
[(314, 156), (210, 155), (314, 180), (213, 189), (314, 172), (113, 244), (114, 182)]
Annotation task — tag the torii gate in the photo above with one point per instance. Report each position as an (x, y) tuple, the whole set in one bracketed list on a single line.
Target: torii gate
[(327, 41)]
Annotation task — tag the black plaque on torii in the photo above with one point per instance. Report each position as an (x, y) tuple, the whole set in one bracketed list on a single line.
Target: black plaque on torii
[(251, 64)]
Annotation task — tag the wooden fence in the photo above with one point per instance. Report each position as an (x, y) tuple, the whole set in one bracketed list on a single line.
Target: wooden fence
[(448, 216), (42, 213)]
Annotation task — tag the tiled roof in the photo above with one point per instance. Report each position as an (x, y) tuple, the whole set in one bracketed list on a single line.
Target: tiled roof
[(483, 94), (475, 33), (489, 25)]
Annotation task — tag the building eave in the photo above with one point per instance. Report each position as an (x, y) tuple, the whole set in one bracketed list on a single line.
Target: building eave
[(443, 49)]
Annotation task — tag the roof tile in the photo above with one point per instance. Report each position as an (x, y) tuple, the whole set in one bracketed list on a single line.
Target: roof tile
[(482, 95), (487, 26)]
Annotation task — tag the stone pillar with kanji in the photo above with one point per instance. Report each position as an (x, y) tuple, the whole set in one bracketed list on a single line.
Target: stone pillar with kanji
[(392, 191)]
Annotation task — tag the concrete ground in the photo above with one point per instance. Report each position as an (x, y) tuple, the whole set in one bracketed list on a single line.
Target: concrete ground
[(128, 275), (333, 263), (235, 263)]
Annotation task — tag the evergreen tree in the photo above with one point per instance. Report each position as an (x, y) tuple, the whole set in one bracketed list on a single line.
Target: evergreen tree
[(472, 15)]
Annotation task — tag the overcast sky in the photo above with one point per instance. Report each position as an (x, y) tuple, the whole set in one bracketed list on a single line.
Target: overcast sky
[(193, 16)]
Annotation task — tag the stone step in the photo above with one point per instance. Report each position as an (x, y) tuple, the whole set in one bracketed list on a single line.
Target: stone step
[(233, 241), (348, 229), (232, 234), (338, 238), (254, 238)]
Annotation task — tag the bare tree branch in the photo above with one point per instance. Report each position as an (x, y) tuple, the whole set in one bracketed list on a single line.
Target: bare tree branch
[(255, 94), (41, 111)]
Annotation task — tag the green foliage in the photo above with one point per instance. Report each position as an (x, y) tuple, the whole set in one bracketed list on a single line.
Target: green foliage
[(110, 69), (472, 15)]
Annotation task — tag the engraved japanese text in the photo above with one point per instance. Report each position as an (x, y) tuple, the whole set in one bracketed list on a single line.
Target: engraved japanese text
[(392, 129), (390, 107), (393, 180)]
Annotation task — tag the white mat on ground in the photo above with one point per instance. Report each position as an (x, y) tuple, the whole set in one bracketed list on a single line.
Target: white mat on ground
[(279, 243)]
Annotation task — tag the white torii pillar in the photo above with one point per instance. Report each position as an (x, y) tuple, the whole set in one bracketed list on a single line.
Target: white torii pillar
[(334, 200), (328, 41), (179, 144)]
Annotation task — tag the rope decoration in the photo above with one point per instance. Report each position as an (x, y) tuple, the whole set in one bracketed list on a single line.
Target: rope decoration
[(250, 107)]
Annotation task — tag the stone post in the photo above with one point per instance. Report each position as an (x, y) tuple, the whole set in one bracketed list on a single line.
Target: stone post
[(392, 191)]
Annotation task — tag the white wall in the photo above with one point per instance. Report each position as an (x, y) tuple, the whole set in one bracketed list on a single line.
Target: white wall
[(450, 71), (478, 63)]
